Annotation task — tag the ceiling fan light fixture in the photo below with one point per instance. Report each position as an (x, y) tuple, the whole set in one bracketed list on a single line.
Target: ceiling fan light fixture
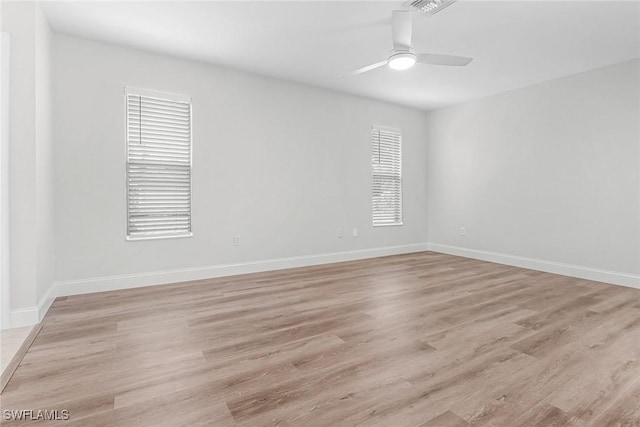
[(402, 61), (429, 7), (402, 56)]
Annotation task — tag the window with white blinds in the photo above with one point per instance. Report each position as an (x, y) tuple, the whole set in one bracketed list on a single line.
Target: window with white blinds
[(158, 164), (386, 155)]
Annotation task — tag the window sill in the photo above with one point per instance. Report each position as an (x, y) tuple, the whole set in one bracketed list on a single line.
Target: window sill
[(172, 236)]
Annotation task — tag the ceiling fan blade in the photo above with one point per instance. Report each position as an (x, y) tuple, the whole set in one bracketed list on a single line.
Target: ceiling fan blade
[(367, 68), (451, 60), (401, 28)]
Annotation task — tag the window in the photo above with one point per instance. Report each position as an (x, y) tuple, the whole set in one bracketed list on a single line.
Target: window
[(158, 164), (387, 176)]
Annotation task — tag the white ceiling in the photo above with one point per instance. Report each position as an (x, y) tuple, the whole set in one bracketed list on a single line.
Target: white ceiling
[(514, 44)]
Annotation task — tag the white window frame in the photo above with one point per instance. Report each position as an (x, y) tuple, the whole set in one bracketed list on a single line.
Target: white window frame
[(376, 128), (166, 97)]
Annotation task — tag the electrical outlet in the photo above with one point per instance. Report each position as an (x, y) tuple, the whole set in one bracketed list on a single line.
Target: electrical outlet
[(236, 240), (354, 232), (463, 231), (340, 234)]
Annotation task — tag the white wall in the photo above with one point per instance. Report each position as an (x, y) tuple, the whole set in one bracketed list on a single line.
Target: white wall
[(282, 165), (31, 161), (5, 293), (18, 21), (45, 253), (549, 172)]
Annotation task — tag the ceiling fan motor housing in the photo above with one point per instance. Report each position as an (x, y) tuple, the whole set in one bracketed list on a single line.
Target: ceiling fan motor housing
[(402, 59)]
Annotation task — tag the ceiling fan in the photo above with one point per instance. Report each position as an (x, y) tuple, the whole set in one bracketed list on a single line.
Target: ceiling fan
[(403, 56)]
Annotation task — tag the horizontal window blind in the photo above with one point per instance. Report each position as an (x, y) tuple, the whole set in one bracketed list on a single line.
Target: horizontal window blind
[(386, 162), (158, 166)]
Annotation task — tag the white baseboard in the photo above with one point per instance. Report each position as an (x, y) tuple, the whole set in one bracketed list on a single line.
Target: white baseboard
[(28, 316), (581, 272), (45, 301), (126, 281), (32, 315)]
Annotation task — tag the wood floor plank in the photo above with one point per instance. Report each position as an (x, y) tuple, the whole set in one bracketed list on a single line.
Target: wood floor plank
[(447, 419), (422, 339)]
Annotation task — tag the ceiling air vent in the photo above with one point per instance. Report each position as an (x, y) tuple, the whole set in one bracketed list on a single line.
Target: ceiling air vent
[(429, 7)]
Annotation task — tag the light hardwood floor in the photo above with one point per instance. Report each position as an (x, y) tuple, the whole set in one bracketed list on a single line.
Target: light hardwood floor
[(412, 340), (13, 346)]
